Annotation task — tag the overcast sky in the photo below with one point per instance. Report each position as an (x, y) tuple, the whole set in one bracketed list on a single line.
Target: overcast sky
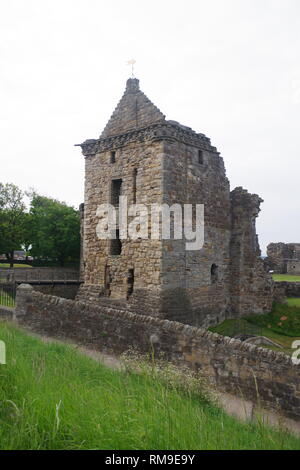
[(227, 68)]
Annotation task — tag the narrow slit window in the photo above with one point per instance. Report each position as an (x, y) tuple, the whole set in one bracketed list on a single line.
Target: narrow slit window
[(214, 275), (116, 188), (134, 185), (200, 157), (116, 245), (113, 156), (130, 283)]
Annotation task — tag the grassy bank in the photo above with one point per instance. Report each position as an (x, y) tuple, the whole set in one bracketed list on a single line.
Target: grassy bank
[(294, 303), (281, 325), (286, 277), (52, 397)]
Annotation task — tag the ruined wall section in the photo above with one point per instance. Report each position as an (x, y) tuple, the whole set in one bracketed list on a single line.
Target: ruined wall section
[(277, 253), (284, 258), (81, 266), (293, 267), (251, 287)]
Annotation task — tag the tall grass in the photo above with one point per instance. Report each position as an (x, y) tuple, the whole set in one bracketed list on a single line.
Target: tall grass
[(52, 397)]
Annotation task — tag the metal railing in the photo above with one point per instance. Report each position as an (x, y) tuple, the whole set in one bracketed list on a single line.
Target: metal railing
[(7, 294)]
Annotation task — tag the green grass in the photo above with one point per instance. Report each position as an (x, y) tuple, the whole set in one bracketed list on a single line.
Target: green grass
[(52, 397), (281, 325), (7, 265), (293, 302), (286, 277), (283, 319)]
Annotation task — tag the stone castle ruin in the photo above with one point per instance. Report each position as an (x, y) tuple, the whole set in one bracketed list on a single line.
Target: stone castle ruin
[(283, 258), (132, 289), (151, 160)]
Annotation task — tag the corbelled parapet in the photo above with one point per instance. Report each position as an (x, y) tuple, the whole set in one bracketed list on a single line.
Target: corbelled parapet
[(166, 130)]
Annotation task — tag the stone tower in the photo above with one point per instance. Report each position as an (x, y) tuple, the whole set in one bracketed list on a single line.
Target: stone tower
[(151, 160)]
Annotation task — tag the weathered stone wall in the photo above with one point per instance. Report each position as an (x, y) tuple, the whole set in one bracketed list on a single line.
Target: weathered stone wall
[(6, 313), (81, 266), (282, 290), (251, 288), (233, 366), (293, 267), (133, 111), (67, 291), (276, 253), (190, 295), (102, 268), (284, 258)]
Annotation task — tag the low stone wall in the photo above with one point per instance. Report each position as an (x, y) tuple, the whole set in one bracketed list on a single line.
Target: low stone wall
[(238, 368), (39, 274), (6, 313), (286, 289)]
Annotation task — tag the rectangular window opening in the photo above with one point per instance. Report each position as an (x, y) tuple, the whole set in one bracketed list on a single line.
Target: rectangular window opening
[(130, 283), (116, 188), (113, 156), (200, 157)]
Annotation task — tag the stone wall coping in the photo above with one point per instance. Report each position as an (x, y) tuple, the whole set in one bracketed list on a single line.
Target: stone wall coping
[(6, 310), (167, 325), (287, 283)]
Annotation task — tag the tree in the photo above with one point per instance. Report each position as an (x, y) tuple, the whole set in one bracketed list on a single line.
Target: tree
[(28, 234), (12, 219), (55, 230)]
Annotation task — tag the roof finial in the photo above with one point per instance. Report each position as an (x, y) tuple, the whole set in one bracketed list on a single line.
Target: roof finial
[(131, 62)]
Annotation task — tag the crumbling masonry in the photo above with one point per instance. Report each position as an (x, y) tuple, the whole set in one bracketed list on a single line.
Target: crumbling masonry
[(283, 258), (151, 160)]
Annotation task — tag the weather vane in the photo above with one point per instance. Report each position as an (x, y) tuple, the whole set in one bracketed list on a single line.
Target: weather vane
[(131, 62)]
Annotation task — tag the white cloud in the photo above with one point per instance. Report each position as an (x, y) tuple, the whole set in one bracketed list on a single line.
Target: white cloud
[(228, 68)]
